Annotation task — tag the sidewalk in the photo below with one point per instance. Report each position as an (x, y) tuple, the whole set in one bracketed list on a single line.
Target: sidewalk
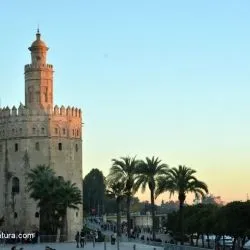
[(89, 246)]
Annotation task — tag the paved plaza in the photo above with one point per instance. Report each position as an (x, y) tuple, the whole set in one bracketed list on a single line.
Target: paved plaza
[(89, 246)]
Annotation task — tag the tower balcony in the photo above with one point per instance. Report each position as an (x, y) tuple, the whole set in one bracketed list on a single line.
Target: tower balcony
[(28, 67)]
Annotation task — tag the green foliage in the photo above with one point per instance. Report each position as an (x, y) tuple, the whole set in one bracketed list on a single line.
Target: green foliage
[(123, 171), (181, 180), (94, 191), (147, 173), (54, 196)]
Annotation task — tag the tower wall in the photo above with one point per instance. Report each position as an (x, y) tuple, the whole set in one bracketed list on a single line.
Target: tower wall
[(38, 134)]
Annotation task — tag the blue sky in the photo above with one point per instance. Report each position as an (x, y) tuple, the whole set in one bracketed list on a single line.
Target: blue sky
[(163, 78)]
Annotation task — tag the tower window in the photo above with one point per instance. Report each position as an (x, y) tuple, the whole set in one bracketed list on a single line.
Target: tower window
[(42, 130), (37, 146), (1, 148), (20, 130), (73, 132), (77, 132), (64, 131), (16, 147), (60, 146), (46, 95), (34, 130), (76, 148), (15, 185), (37, 215), (76, 214), (15, 215), (56, 130)]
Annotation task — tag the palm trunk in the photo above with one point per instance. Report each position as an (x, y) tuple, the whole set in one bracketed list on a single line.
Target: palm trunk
[(128, 215), (181, 215), (118, 215), (234, 243), (153, 212), (202, 238), (208, 241), (192, 239), (63, 227)]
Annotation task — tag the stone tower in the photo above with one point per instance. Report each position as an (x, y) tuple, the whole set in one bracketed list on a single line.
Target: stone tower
[(38, 133)]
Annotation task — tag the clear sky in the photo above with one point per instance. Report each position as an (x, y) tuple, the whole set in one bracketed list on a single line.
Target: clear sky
[(163, 78)]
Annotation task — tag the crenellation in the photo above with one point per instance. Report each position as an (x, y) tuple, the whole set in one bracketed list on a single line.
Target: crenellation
[(28, 67), (62, 111), (14, 111)]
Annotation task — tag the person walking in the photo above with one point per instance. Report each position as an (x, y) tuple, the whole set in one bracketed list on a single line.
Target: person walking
[(77, 238)]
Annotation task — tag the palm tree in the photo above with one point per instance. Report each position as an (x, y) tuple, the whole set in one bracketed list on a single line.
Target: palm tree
[(41, 181), (69, 196), (124, 170), (116, 190), (147, 173), (54, 196), (181, 180)]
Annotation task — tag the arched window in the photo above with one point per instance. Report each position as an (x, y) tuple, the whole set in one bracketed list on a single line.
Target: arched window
[(15, 215), (76, 148), (42, 130), (37, 146), (37, 215), (15, 185), (60, 146)]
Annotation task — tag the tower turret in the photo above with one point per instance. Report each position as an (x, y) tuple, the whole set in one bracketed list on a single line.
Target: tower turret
[(38, 77), (38, 50)]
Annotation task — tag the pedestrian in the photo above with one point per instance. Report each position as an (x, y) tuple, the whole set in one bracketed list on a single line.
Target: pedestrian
[(82, 238), (77, 238)]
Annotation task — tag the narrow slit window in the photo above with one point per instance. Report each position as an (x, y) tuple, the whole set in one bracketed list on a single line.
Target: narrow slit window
[(60, 146), (16, 147)]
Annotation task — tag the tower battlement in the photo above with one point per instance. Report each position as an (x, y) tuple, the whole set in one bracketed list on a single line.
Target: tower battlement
[(21, 111), (28, 67), (69, 111)]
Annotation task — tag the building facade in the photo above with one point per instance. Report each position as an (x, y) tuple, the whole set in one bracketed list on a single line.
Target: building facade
[(38, 133)]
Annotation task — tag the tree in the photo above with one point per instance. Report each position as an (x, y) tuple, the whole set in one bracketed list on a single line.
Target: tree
[(123, 170), (147, 173), (116, 190), (41, 185), (182, 181), (54, 196), (68, 196), (93, 191)]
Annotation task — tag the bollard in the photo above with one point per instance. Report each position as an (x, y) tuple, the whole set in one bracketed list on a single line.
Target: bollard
[(134, 247), (93, 241), (105, 246)]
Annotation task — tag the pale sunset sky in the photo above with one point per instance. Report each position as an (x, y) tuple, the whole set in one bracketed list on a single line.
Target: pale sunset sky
[(153, 78)]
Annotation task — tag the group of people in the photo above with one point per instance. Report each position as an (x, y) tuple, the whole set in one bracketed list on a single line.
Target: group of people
[(81, 238)]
